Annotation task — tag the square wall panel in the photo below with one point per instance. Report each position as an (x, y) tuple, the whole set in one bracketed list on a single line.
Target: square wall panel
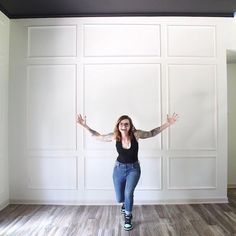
[(121, 40), (112, 90), (51, 107), (52, 41), (192, 94), (191, 41), (52, 173), (192, 172), (98, 173)]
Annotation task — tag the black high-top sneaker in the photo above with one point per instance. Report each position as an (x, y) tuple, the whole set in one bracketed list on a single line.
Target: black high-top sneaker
[(128, 225), (122, 209)]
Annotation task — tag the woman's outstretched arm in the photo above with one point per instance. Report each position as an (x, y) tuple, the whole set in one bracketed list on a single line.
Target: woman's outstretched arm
[(101, 137), (170, 120)]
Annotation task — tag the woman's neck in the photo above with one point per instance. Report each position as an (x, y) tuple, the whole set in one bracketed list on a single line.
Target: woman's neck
[(125, 136)]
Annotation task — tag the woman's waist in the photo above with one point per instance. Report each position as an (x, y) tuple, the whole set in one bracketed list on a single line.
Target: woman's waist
[(131, 164)]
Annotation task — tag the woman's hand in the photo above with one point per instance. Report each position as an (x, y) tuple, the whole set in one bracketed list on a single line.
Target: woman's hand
[(172, 119), (80, 120)]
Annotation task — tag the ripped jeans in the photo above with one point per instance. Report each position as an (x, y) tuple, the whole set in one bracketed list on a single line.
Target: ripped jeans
[(125, 179)]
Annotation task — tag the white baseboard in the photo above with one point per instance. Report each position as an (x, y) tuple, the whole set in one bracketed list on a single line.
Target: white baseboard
[(105, 203)]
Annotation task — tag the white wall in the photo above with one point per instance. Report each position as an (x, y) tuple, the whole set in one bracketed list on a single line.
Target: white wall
[(4, 75), (106, 67), (231, 76)]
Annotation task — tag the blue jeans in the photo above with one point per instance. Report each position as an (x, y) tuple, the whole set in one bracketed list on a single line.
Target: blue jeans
[(125, 179)]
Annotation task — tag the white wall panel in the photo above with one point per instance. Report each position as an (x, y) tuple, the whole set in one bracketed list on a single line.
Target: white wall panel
[(3, 100), (51, 104), (3, 172), (121, 40), (112, 90), (4, 79), (191, 41), (52, 41), (192, 92), (4, 39), (52, 173), (151, 173), (98, 173), (104, 68), (3, 110), (192, 172)]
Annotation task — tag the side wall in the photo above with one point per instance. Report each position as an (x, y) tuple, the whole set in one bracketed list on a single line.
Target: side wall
[(231, 77), (106, 67), (4, 75)]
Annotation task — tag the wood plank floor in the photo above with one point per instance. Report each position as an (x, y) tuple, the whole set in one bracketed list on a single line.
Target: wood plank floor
[(149, 220)]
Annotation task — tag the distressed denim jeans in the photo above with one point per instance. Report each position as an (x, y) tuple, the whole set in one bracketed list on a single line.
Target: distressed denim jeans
[(125, 179)]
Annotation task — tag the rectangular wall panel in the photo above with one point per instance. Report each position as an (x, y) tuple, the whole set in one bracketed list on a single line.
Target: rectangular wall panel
[(191, 41), (98, 173), (4, 94), (4, 31), (118, 89), (52, 173), (192, 94), (51, 107), (121, 40), (192, 172), (151, 173), (3, 172), (52, 41)]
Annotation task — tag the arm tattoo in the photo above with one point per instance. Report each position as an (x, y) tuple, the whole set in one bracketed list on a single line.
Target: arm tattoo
[(155, 131), (148, 134), (93, 132), (106, 137), (101, 137)]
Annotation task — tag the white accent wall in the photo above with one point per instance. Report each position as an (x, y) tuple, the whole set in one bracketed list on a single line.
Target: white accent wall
[(104, 68), (4, 75), (231, 77)]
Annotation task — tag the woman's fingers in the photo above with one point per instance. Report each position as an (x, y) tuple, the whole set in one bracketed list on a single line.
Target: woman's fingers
[(172, 119), (81, 120), (175, 115)]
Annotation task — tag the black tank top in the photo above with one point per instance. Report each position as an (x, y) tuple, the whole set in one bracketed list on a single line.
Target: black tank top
[(127, 155)]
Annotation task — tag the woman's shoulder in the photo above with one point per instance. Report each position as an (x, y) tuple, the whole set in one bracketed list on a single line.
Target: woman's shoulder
[(136, 134)]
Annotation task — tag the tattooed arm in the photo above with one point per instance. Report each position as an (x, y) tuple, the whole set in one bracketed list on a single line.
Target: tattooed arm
[(101, 137), (148, 134)]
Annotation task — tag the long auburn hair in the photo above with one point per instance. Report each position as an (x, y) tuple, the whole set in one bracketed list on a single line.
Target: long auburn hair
[(117, 133)]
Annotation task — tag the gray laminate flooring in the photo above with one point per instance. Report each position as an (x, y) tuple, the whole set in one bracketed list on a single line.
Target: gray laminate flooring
[(149, 220)]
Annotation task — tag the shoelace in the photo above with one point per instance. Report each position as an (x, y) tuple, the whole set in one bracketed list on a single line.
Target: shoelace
[(128, 219)]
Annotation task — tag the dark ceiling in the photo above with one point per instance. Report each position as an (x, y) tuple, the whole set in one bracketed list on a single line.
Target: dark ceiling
[(77, 8)]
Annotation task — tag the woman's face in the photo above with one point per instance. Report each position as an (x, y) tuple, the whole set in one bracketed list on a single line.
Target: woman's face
[(124, 126)]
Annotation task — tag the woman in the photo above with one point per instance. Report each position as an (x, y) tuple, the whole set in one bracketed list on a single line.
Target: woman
[(126, 172)]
